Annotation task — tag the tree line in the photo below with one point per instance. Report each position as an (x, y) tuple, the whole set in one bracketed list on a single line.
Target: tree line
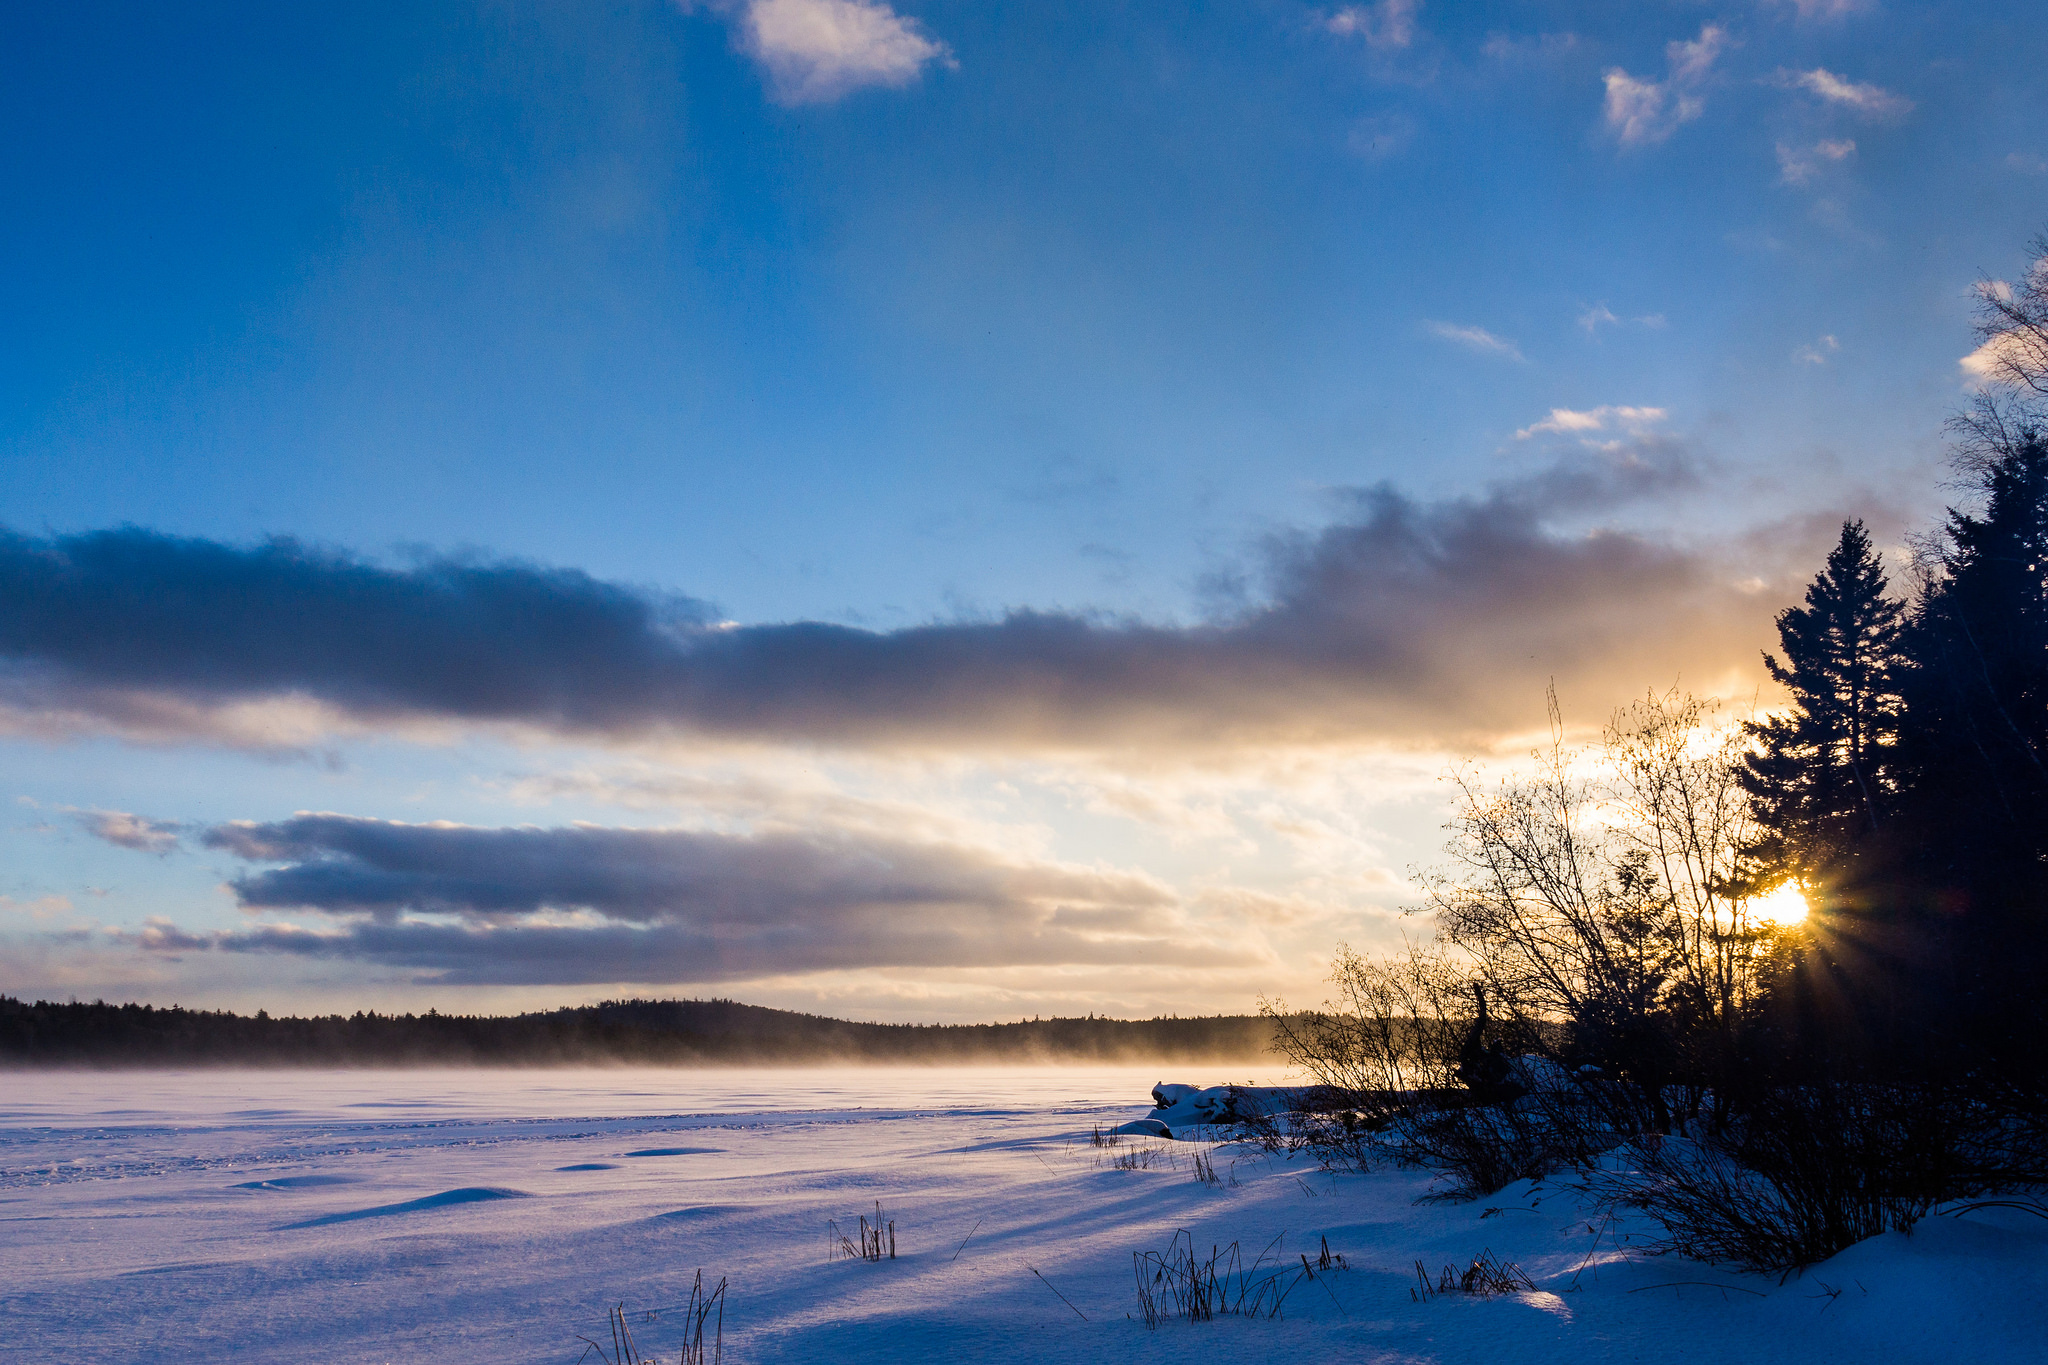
[(616, 1032)]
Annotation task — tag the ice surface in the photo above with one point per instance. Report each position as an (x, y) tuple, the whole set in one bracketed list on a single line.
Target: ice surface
[(356, 1217)]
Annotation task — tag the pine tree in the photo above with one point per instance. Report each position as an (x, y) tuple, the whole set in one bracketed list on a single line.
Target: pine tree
[(1966, 857), (1976, 752), (1821, 777)]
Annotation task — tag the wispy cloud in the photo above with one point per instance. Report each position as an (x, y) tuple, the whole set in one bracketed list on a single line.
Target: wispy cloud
[(1824, 9), (1868, 100), (1606, 417), (1817, 353), (1475, 339), (1386, 26), (41, 908), (124, 830), (1600, 315), (817, 51), (1798, 165), (1640, 112)]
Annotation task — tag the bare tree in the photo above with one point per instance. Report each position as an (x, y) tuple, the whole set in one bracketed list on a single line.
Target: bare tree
[(2012, 327), (1599, 896), (1686, 815), (2011, 366)]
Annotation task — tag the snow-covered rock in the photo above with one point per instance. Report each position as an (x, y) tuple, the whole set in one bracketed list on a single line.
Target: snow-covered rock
[(1186, 1106), (1538, 1075)]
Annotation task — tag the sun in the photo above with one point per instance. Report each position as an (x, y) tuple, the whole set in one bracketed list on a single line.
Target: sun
[(1781, 905)]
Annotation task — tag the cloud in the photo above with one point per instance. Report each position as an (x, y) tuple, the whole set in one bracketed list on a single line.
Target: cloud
[(1690, 61), (42, 907), (1475, 339), (816, 51), (1567, 422), (1600, 315), (1404, 619), (2006, 360), (1824, 9), (2026, 163), (1386, 26), (130, 831), (1867, 100), (159, 935), (752, 795), (1798, 165), (1641, 112), (1818, 352), (589, 904)]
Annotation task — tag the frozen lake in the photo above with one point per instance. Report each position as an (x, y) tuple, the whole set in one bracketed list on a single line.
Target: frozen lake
[(359, 1216), (73, 1099)]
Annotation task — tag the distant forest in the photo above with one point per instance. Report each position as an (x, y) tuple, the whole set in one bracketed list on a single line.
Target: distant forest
[(617, 1032)]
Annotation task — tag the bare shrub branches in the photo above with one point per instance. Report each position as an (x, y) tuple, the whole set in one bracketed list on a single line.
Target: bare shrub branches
[(1394, 1027), (1802, 1171)]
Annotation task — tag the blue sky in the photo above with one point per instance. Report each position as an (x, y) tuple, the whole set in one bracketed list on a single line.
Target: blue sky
[(908, 319)]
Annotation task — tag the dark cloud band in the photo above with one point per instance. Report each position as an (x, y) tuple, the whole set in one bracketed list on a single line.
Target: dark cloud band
[(1405, 618), (584, 904)]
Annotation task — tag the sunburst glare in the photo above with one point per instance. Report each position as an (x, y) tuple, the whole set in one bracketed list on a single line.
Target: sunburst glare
[(1781, 905)]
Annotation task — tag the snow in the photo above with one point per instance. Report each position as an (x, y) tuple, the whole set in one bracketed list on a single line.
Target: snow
[(1181, 1108), (402, 1216)]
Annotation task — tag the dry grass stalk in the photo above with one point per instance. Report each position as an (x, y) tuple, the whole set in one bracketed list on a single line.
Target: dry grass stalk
[(1177, 1283), (1487, 1274), (703, 1309), (877, 1240), (1140, 1158)]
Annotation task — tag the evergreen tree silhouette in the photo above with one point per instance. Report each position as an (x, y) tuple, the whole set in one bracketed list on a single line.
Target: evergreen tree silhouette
[(1821, 777), (1966, 865)]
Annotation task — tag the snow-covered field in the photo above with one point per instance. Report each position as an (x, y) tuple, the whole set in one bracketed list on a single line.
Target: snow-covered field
[(465, 1216)]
